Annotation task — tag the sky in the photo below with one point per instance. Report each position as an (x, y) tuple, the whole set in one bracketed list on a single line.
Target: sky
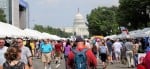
[(61, 13)]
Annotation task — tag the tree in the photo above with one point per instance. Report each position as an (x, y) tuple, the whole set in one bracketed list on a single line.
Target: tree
[(102, 21), (2, 16), (39, 28), (134, 12)]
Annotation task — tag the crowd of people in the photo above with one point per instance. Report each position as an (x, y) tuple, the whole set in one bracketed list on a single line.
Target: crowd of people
[(15, 56), (78, 54)]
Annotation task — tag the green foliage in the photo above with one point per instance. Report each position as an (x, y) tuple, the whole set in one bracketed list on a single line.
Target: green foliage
[(2, 16), (133, 11), (102, 21), (50, 30)]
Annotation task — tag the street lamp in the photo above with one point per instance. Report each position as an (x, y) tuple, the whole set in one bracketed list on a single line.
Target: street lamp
[(148, 10), (129, 24), (111, 30)]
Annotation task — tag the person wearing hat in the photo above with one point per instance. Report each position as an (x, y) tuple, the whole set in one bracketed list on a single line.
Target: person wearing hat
[(91, 59)]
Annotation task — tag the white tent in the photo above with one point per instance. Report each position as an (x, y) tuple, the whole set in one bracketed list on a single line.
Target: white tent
[(56, 37), (10, 31), (49, 36), (34, 34), (111, 37)]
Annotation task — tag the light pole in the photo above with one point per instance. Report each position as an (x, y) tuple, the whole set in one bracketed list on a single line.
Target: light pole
[(129, 24), (148, 10)]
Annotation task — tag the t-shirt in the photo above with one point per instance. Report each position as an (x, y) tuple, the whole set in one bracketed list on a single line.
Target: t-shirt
[(32, 45), (67, 49), (135, 48), (109, 45), (25, 53), (46, 48), (58, 47), (19, 65), (103, 49), (129, 46), (117, 46), (2, 52), (37, 45), (24, 42)]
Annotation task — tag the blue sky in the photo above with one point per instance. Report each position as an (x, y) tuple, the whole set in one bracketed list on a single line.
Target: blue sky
[(60, 13)]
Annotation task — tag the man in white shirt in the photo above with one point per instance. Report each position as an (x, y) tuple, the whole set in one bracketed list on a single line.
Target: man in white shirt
[(25, 54), (3, 49), (117, 49)]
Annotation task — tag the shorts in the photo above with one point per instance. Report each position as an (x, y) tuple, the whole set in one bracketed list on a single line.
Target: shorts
[(117, 54), (110, 53), (58, 53), (103, 57), (46, 57)]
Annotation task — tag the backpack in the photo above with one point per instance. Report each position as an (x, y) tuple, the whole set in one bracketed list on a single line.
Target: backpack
[(80, 60), (19, 65)]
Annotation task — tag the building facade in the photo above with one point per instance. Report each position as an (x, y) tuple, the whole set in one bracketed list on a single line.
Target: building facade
[(16, 12), (79, 26)]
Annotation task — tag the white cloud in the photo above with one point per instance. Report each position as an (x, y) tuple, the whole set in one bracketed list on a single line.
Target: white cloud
[(58, 13)]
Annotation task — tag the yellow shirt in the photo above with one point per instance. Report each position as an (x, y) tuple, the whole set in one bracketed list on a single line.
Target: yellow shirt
[(24, 43), (32, 45)]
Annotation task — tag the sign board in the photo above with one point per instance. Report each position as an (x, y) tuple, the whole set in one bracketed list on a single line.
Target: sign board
[(141, 57)]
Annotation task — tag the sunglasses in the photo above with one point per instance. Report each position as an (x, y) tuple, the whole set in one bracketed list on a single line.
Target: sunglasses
[(19, 42), (1, 42)]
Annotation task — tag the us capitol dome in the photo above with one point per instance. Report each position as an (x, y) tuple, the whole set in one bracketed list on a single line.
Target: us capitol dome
[(79, 27)]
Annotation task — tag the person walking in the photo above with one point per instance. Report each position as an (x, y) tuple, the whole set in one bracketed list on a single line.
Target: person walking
[(103, 50), (81, 57), (129, 53), (117, 50), (135, 51), (3, 49), (146, 60), (58, 51), (109, 46), (67, 49), (26, 55), (46, 50), (13, 56), (94, 50)]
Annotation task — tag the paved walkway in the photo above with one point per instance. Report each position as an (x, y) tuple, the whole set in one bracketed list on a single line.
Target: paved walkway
[(39, 65)]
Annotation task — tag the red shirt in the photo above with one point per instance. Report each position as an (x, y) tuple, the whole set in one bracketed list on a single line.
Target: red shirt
[(58, 47), (91, 59), (146, 61), (140, 66)]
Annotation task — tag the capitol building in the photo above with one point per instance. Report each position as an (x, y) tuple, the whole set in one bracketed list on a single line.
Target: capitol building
[(79, 27)]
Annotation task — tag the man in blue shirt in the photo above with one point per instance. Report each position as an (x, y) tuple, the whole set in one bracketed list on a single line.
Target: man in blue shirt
[(46, 50), (109, 46)]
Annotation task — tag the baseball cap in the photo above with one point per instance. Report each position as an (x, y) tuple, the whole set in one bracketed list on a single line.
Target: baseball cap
[(79, 39)]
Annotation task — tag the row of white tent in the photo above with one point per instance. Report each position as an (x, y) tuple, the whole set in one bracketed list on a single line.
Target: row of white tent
[(132, 34), (7, 30)]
